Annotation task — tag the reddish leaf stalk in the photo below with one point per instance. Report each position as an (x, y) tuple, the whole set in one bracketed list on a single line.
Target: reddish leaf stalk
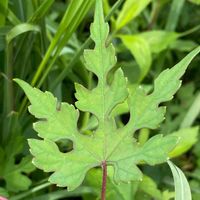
[(104, 180)]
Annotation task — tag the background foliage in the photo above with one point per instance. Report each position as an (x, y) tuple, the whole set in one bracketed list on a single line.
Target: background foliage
[(41, 41)]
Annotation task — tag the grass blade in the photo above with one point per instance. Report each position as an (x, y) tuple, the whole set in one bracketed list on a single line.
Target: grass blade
[(182, 188), (19, 29), (192, 113), (174, 14), (3, 8)]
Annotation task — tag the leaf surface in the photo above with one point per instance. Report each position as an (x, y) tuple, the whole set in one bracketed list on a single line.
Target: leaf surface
[(143, 45), (130, 10), (144, 109), (107, 144), (12, 172), (182, 188), (140, 49), (188, 137)]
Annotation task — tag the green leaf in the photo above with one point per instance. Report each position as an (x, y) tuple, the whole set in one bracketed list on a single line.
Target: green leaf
[(114, 191), (130, 10), (20, 29), (182, 188), (3, 192), (73, 16), (192, 113), (188, 137), (195, 1), (159, 40), (143, 45), (174, 14), (3, 8), (149, 187), (41, 11), (140, 49), (166, 195), (144, 109), (183, 45), (107, 144), (15, 174)]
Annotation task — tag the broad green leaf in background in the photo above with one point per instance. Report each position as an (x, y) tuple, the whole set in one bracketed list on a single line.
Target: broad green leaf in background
[(195, 1), (15, 177), (107, 145), (133, 190), (188, 137), (114, 191), (143, 45), (130, 10), (140, 49), (148, 186), (167, 195), (15, 174), (159, 40), (183, 45), (182, 188)]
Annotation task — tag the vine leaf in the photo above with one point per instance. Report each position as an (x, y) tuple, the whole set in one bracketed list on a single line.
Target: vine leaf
[(107, 144)]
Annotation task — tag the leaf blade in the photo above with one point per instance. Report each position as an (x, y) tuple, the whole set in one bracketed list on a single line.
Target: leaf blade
[(145, 111), (182, 188)]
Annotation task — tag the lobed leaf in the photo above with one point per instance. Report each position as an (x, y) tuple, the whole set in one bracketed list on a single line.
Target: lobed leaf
[(144, 109), (12, 172), (107, 144)]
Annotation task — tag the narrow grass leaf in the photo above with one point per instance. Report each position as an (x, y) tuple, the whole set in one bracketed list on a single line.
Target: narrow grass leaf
[(174, 14), (41, 11), (20, 29), (192, 113), (3, 9), (182, 188)]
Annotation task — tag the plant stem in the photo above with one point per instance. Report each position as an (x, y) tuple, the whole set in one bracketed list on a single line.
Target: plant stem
[(190, 31), (155, 14), (104, 180), (31, 191)]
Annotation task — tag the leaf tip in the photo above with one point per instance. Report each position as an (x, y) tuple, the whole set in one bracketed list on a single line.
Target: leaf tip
[(18, 81), (168, 158)]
